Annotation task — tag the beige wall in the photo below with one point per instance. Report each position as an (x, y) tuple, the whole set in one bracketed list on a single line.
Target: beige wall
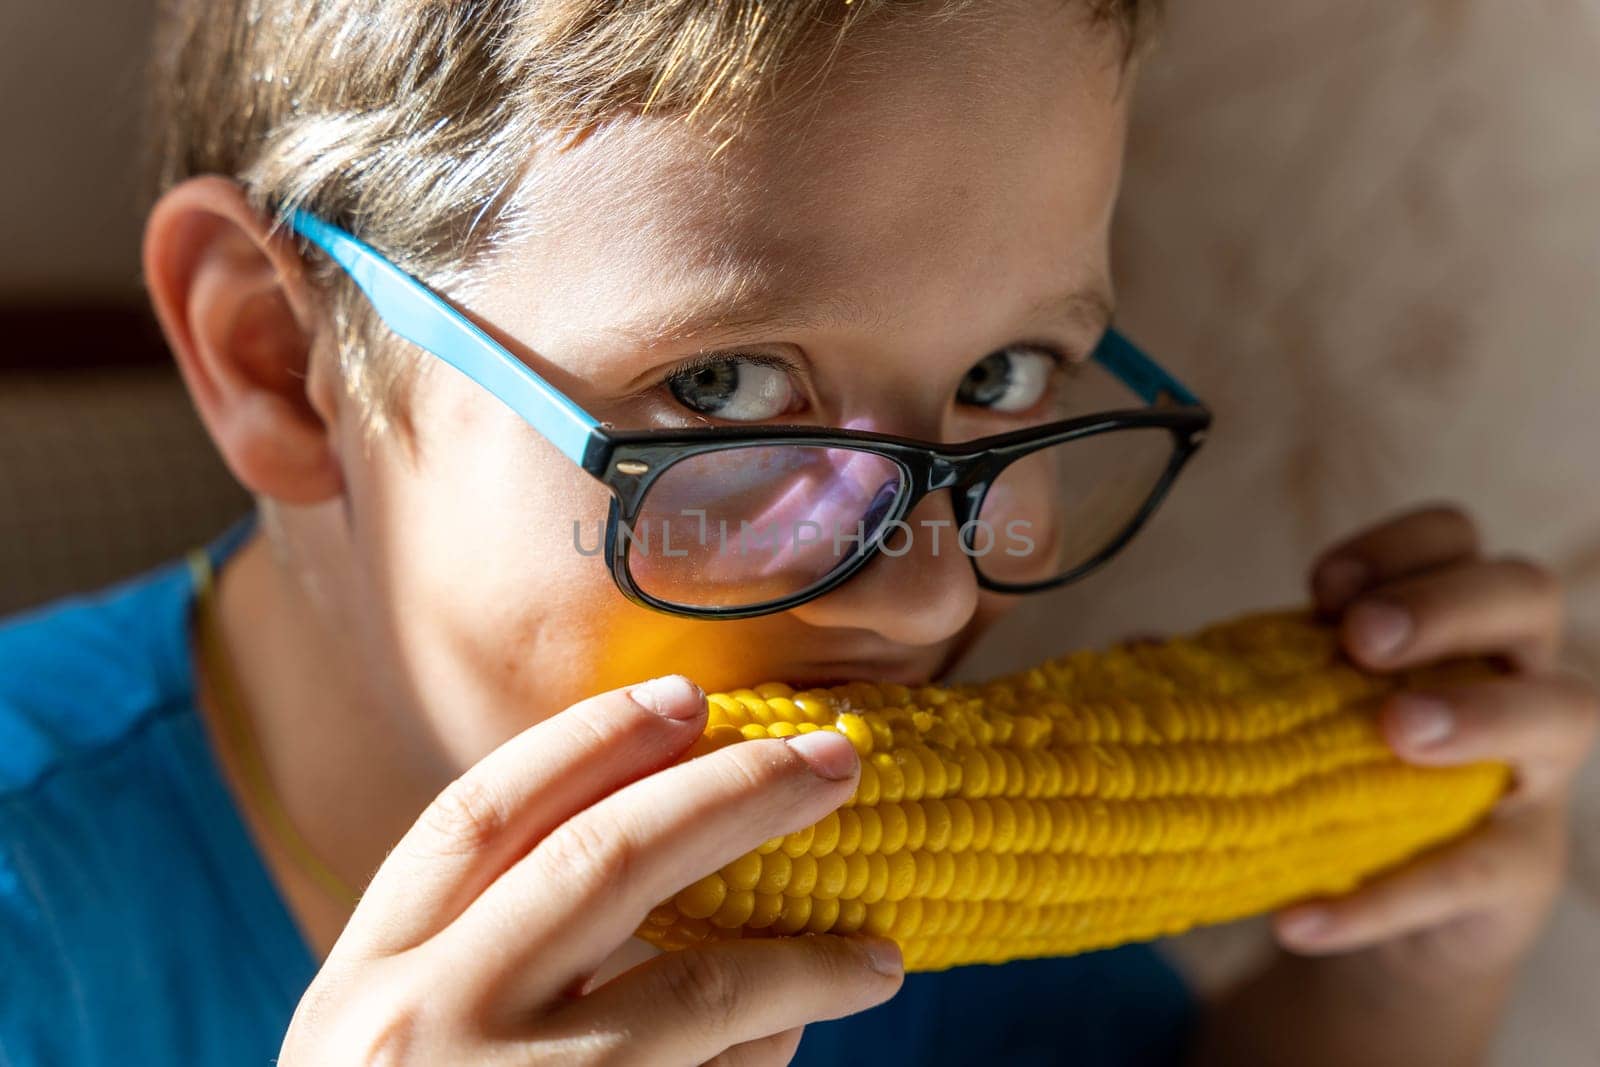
[(70, 76)]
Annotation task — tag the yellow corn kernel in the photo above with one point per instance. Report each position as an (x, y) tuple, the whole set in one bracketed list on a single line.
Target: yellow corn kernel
[(1100, 798)]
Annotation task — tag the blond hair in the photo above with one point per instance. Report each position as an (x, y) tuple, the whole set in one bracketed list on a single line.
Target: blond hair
[(410, 121)]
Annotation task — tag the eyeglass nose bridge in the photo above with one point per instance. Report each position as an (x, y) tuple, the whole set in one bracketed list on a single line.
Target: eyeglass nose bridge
[(942, 472), (966, 477)]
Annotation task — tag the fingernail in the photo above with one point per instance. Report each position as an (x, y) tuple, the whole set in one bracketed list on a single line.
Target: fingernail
[(1341, 578), (1380, 628), (830, 755), (671, 697), (1422, 720), (884, 956), (1307, 925)]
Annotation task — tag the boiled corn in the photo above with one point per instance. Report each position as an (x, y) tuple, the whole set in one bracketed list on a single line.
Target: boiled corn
[(1096, 799)]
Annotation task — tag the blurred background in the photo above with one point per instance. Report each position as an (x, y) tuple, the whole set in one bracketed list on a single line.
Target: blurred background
[(1367, 233), (103, 467)]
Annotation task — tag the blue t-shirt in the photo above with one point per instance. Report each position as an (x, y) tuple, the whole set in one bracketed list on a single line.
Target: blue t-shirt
[(138, 924)]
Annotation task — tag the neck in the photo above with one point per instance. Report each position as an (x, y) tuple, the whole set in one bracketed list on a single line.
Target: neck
[(346, 768)]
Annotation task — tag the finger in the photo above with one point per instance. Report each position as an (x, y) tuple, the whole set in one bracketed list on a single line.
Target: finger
[(1542, 726), (1428, 537), (774, 1051), (690, 1005), (503, 805), (562, 909), (1507, 607), (1511, 864)]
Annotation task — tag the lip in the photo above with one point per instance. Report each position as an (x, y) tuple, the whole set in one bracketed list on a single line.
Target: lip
[(838, 672)]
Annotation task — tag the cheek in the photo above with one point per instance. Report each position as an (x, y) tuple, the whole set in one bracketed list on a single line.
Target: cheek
[(496, 614), (492, 506)]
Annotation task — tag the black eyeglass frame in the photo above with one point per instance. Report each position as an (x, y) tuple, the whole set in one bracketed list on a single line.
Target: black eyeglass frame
[(630, 462)]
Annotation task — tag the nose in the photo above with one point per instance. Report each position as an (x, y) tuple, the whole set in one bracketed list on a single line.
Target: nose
[(920, 590)]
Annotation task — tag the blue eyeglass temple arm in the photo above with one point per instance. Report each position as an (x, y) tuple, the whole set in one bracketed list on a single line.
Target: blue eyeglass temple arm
[(419, 315), (1147, 378), (416, 313)]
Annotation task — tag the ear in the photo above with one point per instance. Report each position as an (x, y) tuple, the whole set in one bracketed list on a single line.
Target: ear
[(240, 317)]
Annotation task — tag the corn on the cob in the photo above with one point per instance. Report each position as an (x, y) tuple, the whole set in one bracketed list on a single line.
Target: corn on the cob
[(1096, 799)]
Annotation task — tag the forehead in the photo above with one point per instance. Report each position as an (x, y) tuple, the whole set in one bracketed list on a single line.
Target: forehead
[(938, 162)]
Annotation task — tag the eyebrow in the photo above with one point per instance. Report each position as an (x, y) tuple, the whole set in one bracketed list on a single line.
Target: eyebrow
[(768, 308), (1090, 306)]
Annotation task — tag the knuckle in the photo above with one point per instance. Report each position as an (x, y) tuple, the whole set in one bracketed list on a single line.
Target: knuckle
[(408, 1019), (758, 768), (771, 779), (842, 966), (590, 732), (704, 986), (1451, 514), (392, 1045), (579, 849), (373, 1023), (844, 962), (465, 818), (759, 771), (1532, 574)]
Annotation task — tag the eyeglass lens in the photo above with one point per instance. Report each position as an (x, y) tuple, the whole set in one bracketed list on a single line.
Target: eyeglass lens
[(745, 526), (1054, 510), (752, 525)]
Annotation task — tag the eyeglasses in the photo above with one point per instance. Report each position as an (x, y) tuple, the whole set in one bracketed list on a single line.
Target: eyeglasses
[(735, 522)]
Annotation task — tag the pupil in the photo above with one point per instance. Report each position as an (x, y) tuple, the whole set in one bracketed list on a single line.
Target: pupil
[(988, 381), (707, 388)]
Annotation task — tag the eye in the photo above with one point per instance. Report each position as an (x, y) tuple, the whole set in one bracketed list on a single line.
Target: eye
[(1011, 380), (738, 388)]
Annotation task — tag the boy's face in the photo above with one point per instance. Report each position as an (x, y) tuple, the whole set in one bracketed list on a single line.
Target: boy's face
[(948, 198)]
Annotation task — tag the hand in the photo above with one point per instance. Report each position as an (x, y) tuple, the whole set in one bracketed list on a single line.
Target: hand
[(480, 935), (1414, 590)]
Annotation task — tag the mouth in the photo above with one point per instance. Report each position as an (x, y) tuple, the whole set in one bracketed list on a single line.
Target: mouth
[(876, 661), (828, 674)]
